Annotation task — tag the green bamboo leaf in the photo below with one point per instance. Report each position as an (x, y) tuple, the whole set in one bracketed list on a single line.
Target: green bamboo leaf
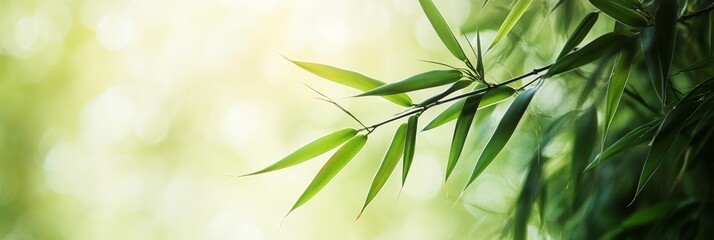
[(616, 85), (706, 62), (442, 29), (583, 147), (458, 85), (409, 147), (351, 79), (511, 20), (579, 34), (666, 30), (479, 56), (503, 132), (648, 39), (420, 81), (391, 158), (623, 11), (529, 192), (594, 50), (637, 135), (311, 150), (490, 98), (463, 124), (333, 166), (649, 214)]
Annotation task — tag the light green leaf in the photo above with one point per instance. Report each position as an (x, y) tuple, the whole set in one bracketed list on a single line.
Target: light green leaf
[(616, 85), (622, 10), (463, 124), (594, 50), (634, 136), (503, 132), (333, 166), (311, 150), (458, 85), (420, 81), (391, 158), (442, 29), (579, 34), (409, 147), (511, 20), (490, 98), (351, 79), (706, 62)]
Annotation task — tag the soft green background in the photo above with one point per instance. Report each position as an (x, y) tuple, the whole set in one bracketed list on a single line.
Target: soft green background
[(127, 119)]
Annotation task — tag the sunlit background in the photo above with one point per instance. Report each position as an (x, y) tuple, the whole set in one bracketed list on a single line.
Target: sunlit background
[(129, 119)]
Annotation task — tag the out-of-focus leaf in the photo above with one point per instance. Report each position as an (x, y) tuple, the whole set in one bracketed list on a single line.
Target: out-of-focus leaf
[(511, 20), (442, 29), (311, 150), (333, 166), (391, 158), (351, 79), (458, 85), (529, 192), (503, 132), (649, 214), (616, 85), (654, 66), (706, 62), (579, 34), (420, 81), (490, 98), (409, 146), (583, 147), (666, 30), (636, 135), (463, 124), (621, 10), (596, 49)]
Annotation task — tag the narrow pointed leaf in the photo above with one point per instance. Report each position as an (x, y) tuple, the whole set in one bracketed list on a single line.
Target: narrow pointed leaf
[(333, 166), (463, 124), (511, 20), (638, 135), (706, 62), (583, 147), (409, 146), (391, 158), (420, 81), (616, 85), (503, 132), (442, 29), (490, 98), (311, 150), (529, 192), (458, 85), (594, 50), (666, 30), (479, 56), (351, 79), (652, 59), (579, 34), (623, 11)]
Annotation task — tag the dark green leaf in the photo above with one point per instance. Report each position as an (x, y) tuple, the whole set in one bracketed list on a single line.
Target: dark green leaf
[(463, 124), (351, 79), (652, 59), (420, 81), (458, 85), (579, 34), (621, 10), (409, 147), (391, 158), (666, 30), (583, 147), (529, 192), (479, 56), (333, 166), (616, 85), (706, 62), (311, 150), (649, 214), (511, 20), (442, 29), (503, 132), (490, 98), (636, 135), (596, 49)]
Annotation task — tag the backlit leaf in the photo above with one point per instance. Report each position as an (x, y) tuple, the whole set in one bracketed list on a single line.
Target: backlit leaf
[(706, 62), (503, 132), (311, 150), (511, 20), (409, 146), (391, 158), (616, 85), (652, 59), (621, 10), (420, 81), (442, 29), (339, 160), (351, 79), (463, 124), (594, 50), (634, 136), (579, 34), (458, 85), (490, 98)]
